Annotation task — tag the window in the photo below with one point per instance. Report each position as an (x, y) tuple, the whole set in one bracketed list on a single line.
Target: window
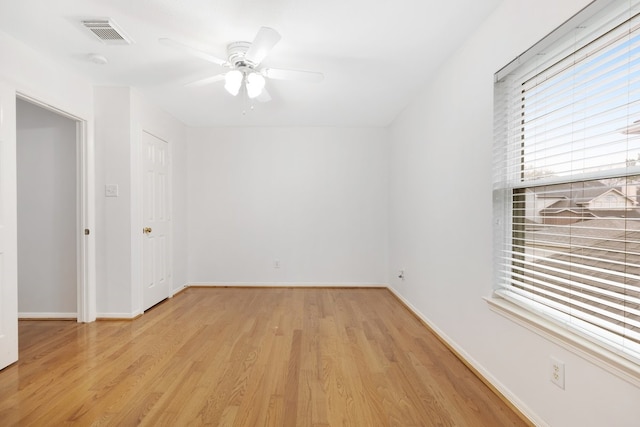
[(567, 177)]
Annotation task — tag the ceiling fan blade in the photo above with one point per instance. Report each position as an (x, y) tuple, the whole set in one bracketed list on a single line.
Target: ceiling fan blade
[(265, 40), (264, 96), (193, 51), (297, 75), (206, 80)]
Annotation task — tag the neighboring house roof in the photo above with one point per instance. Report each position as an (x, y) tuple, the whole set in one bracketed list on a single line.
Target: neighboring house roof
[(584, 233), (586, 213), (586, 189), (588, 198), (577, 198), (562, 206)]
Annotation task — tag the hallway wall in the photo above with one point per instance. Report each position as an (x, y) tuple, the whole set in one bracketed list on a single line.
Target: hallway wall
[(47, 214)]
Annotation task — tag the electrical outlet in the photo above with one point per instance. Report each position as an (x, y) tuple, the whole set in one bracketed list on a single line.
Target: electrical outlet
[(557, 372), (276, 264)]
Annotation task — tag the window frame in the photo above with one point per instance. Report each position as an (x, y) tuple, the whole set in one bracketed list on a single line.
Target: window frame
[(505, 202)]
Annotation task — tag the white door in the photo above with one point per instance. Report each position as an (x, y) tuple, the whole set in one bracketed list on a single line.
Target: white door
[(8, 230), (156, 247)]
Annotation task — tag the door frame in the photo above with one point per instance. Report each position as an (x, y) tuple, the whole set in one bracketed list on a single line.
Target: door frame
[(8, 228), (85, 215)]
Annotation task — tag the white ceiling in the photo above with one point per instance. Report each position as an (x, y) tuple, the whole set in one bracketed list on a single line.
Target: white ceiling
[(374, 53)]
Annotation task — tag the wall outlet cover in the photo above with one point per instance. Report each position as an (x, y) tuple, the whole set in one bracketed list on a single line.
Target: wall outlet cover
[(111, 190), (556, 370)]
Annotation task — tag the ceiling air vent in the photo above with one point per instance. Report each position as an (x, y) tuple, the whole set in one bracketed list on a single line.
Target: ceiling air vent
[(107, 31)]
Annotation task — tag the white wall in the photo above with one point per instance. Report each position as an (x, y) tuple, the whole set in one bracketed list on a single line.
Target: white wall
[(47, 219), (121, 117), (315, 199), (179, 177), (32, 74), (42, 79), (113, 214), (441, 222)]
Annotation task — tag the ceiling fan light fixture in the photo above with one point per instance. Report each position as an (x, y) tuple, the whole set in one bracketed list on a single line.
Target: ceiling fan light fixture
[(255, 85), (244, 59), (233, 81)]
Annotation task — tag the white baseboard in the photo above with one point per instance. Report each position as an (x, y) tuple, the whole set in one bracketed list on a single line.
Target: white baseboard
[(290, 284), (118, 316), (178, 290), (515, 401), (39, 315)]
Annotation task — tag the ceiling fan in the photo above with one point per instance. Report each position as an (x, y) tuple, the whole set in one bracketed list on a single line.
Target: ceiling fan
[(244, 60)]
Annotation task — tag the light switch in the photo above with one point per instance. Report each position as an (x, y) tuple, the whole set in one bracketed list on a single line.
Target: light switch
[(111, 190)]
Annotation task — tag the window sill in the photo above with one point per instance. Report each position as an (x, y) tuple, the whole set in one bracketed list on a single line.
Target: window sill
[(600, 356)]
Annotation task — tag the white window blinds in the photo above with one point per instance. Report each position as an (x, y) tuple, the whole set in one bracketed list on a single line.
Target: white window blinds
[(567, 179)]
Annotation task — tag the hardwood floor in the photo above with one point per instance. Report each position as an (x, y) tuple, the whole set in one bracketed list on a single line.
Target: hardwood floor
[(247, 357)]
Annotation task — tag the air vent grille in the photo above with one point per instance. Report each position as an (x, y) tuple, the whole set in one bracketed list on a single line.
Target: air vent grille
[(107, 31)]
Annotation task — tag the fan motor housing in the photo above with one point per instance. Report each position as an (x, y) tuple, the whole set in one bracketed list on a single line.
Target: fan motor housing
[(236, 52)]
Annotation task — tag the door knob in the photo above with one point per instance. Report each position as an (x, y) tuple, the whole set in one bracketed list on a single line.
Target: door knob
[(147, 230)]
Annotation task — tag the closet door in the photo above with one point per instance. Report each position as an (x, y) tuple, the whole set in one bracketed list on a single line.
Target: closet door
[(156, 246)]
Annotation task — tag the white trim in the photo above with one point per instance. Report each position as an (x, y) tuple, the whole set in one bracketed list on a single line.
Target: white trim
[(85, 252), (136, 198), (588, 350), (176, 291), (515, 401), (565, 179), (124, 316), (23, 96), (22, 315), (85, 249), (289, 284), (548, 40)]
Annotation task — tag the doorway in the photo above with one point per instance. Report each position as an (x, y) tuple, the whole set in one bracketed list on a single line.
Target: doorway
[(48, 201)]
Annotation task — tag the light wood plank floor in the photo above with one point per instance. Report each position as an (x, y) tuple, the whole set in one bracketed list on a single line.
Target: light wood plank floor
[(247, 357)]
